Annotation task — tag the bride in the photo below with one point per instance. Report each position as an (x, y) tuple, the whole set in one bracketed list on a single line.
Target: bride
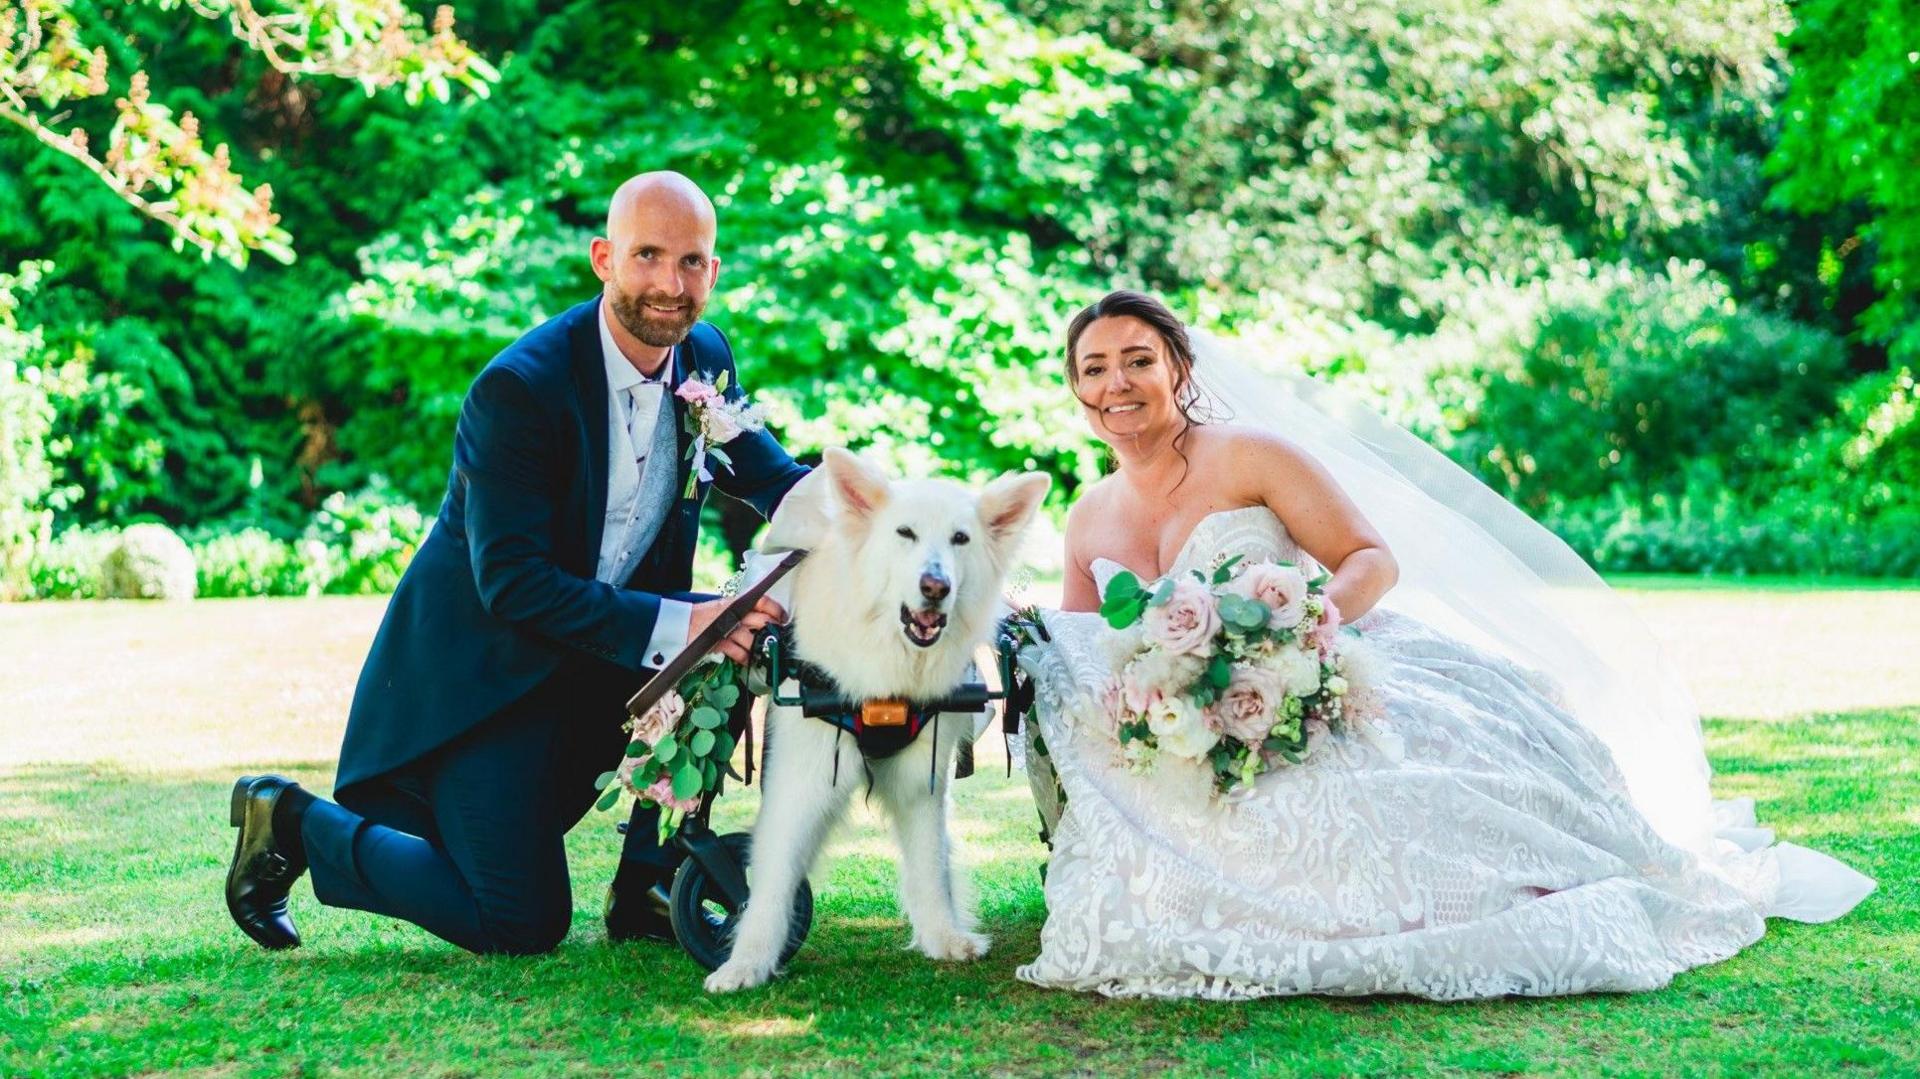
[(1528, 814)]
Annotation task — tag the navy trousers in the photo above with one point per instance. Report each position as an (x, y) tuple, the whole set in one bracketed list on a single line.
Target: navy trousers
[(468, 842)]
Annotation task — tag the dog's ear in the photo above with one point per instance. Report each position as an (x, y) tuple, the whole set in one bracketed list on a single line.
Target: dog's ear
[(861, 487), (1008, 503), (804, 517)]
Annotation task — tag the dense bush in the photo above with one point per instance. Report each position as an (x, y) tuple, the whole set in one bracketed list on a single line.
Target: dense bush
[(253, 562), (148, 561), (70, 566), (363, 542), (1712, 532)]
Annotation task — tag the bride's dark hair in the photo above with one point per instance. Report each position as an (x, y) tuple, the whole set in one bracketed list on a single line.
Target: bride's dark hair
[(1172, 332)]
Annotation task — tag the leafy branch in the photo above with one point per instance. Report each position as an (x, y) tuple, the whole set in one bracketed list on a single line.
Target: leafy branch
[(157, 163)]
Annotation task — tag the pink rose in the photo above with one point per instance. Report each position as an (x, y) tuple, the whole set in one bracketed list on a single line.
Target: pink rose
[(697, 392), (1282, 588), (1245, 709), (661, 794), (1187, 622), (661, 719)]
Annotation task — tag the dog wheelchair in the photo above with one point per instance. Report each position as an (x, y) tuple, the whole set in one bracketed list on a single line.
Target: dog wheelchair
[(709, 890)]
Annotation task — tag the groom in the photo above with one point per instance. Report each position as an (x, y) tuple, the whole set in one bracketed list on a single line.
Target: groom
[(550, 586)]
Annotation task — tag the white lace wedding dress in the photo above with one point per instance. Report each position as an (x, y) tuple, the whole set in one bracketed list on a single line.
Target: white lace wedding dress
[(1476, 841)]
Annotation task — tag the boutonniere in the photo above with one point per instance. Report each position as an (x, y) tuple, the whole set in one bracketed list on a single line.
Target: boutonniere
[(713, 421)]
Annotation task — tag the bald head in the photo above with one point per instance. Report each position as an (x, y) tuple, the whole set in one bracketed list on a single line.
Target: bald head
[(656, 259), (659, 193)]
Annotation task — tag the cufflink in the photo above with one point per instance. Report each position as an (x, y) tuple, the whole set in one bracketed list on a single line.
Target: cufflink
[(658, 659)]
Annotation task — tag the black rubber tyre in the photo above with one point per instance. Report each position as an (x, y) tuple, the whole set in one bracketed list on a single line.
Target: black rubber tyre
[(695, 903)]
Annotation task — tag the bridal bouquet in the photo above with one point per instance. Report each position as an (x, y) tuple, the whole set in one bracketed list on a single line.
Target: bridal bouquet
[(680, 747), (1235, 668)]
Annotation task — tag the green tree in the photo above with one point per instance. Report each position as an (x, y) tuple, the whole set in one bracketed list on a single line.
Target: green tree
[(1852, 136)]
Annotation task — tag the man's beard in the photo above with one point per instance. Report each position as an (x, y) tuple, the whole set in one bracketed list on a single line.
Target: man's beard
[(652, 327)]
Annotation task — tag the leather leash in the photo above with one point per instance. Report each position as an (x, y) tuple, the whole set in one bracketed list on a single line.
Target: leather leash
[(696, 650)]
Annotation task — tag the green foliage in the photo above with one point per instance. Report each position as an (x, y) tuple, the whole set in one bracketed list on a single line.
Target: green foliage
[(370, 536), (26, 418), (1543, 235), (70, 566), (253, 562), (1639, 384), (148, 561), (1853, 138)]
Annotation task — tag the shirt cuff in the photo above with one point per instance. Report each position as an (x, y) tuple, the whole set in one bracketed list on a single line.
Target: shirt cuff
[(670, 628)]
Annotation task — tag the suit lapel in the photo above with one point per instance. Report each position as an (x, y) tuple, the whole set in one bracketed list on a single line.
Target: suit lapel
[(682, 362), (590, 375)]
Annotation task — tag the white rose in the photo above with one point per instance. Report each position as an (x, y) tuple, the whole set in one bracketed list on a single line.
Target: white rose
[(1168, 672), (719, 426), (1179, 728), (660, 720), (1298, 670)]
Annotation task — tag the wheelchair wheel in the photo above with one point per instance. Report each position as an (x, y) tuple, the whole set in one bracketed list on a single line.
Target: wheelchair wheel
[(703, 920)]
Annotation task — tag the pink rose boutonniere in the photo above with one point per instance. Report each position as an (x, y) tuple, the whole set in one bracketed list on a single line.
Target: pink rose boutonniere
[(713, 421)]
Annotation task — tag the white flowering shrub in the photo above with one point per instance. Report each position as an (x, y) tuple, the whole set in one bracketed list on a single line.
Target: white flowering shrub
[(148, 562)]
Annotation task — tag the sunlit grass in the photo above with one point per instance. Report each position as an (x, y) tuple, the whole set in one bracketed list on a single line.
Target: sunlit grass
[(116, 956)]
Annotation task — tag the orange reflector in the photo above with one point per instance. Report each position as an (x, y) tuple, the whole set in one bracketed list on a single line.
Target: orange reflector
[(885, 713)]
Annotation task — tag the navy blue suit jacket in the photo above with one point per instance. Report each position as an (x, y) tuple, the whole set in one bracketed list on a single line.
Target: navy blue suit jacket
[(503, 587)]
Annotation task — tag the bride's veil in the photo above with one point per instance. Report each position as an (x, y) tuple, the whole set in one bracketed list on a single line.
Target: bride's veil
[(1475, 566)]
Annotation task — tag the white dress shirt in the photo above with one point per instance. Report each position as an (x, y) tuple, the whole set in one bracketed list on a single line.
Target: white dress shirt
[(635, 404)]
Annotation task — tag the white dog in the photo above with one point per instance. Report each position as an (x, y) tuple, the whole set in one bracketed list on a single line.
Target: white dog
[(901, 586)]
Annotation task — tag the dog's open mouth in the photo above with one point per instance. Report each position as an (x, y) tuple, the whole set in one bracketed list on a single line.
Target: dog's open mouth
[(923, 627)]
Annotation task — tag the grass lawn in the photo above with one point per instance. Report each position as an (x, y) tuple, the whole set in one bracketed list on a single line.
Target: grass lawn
[(122, 725)]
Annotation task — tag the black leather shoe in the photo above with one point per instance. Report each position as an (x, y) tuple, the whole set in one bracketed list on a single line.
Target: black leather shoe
[(263, 870), (638, 913)]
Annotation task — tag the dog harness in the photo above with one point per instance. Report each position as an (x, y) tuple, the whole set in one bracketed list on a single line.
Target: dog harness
[(880, 728)]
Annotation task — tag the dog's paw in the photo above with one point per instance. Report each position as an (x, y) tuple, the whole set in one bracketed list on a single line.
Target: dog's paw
[(735, 975), (955, 947)]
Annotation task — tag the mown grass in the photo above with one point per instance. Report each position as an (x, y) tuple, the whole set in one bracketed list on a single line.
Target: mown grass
[(116, 956)]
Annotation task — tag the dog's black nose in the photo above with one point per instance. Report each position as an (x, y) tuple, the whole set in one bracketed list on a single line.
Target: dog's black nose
[(934, 587)]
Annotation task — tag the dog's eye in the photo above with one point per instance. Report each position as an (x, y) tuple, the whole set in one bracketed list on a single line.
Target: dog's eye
[(906, 533), (960, 539)]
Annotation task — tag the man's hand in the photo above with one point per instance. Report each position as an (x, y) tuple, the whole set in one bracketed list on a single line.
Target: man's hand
[(737, 643)]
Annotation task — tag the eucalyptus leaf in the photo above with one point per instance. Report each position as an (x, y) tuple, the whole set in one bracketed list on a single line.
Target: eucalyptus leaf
[(686, 780), (1225, 571), (702, 743), (606, 801), (636, 749), (600, 782), (665, 750), (1120, 587), (707, 717)]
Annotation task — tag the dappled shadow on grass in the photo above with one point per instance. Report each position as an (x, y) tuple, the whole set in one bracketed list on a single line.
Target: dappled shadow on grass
[(118, 957)]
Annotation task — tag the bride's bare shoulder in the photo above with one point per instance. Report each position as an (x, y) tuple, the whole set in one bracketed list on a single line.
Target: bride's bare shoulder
[(1253, 450), (1089, 503)]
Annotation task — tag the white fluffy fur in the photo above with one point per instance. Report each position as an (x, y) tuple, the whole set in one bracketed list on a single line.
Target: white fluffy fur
[(847, 596)]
